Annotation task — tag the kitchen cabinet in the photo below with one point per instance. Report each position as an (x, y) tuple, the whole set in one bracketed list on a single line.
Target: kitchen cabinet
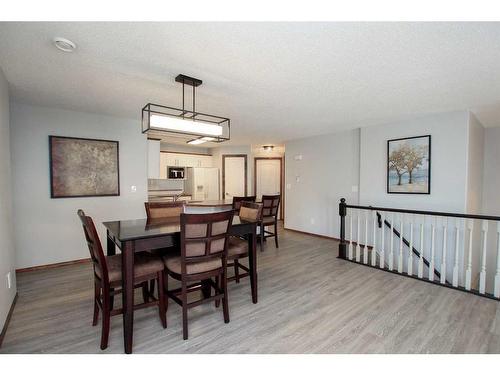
[(158, 161), (188, 160)]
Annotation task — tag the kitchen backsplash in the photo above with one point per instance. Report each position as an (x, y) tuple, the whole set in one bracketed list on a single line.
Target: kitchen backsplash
[(157, 184)]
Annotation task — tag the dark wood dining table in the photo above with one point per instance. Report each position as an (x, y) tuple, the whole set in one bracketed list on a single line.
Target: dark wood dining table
[(132, 236)]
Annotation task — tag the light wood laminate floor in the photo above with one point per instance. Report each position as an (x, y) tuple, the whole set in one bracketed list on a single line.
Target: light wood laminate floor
[(309, 302)]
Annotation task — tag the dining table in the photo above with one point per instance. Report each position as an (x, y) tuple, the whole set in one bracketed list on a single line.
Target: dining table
[(131, 236)]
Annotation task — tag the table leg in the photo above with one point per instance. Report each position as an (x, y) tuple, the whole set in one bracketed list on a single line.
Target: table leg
[(128, 294), (206, 289), (111, 250), (111, 247), (252, 241)]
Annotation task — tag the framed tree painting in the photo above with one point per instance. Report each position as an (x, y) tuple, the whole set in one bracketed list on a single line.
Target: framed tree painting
[(409, 165), (81, 167)]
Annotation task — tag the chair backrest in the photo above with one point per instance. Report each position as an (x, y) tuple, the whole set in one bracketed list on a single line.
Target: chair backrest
[(238, 200), (94, 245), (250, 211), (270, 204), (204, 236), (155, 210)]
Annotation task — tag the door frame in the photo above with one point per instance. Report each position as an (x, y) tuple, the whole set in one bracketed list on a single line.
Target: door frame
[(282, 179), (244, 156)]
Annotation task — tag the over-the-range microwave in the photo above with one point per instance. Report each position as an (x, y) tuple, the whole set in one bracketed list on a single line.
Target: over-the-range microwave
[(176, 173)]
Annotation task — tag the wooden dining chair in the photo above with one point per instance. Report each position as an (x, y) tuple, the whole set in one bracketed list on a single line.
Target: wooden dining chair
[(204, 240), (238, 200), (156, 210), (270, 205), (238, 248), (108, 278)]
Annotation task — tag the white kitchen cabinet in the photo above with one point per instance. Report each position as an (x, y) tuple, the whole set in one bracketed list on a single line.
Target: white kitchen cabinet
[(153, 159), (188, 160)]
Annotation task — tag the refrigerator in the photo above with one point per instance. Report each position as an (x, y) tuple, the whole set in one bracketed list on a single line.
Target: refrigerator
[(202, 183)]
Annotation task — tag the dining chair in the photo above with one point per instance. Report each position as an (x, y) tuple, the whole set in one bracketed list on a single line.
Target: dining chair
[(156, 210), (108, 277), (270, 205), (204, 240), (238, 200), (238, 248), (161, 210)]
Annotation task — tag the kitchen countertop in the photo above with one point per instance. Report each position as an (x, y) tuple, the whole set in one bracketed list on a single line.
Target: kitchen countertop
[(211, 203)]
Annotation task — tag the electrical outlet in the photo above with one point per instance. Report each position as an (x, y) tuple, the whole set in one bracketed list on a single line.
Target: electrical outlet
[(313, 221), (288, 186), (9, 281)]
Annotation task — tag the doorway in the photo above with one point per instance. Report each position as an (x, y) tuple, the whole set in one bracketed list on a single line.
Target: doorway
[(234, 176), (268, 179)]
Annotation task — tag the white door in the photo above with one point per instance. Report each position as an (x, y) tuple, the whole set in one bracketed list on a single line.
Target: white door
[(268, 178), (234, 176)]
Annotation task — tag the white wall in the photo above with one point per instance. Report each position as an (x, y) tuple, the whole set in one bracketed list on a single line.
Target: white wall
[(475, 156), (491, 195), (327, 172), (449, 134), (491, 174), (7, 255), (48, 230)]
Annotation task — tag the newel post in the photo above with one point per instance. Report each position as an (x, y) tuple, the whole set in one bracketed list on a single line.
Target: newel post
[(342, 244)]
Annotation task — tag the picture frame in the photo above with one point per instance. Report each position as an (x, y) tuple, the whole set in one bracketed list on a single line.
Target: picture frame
[(409, 165), (83, 167)]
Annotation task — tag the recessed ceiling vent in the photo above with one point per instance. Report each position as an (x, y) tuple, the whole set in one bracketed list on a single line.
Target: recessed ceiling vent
[(64, 44)]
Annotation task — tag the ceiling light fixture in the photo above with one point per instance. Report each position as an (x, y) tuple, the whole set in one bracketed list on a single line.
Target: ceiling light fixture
[(64, 44), (162, 120), (268, 148), (198, 141)]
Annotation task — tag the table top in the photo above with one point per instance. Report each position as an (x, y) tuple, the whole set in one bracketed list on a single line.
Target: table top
[(127, 230)]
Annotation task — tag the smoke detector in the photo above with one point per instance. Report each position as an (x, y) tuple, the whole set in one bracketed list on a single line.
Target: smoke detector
[(64, 44)]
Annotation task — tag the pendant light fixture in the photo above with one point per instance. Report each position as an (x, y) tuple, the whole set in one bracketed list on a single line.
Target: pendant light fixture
[(196, 127)]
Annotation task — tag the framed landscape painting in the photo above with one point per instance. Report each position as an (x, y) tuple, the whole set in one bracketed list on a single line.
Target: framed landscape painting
[(409, 165), (81, 167)]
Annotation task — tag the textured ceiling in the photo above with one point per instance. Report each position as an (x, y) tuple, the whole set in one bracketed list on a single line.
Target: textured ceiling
[(276, 81)]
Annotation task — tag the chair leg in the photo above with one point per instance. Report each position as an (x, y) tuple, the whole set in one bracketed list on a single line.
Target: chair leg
[(97, 295), (236, 271), (152, 288), (261, 240), (225, 305), (262, 237), (106, 315), (217, 282), (161, 300), (145, 292), (276, 233), (184, 311)]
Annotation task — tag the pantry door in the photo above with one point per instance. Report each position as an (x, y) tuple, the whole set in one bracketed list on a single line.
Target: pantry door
[(234, 176), (268, 179)]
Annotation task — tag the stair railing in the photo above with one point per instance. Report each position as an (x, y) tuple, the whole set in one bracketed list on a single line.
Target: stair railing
[(406, 242), (447, 244)]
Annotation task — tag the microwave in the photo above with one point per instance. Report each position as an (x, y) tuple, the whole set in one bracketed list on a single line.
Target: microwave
[(176, 173)]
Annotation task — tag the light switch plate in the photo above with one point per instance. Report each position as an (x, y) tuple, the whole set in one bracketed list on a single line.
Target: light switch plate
[(288, 186), (354, 188), (133, 188), (9, 281)]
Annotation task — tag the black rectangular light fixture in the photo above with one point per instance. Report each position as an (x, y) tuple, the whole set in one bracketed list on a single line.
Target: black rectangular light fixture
[(198, 127)]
